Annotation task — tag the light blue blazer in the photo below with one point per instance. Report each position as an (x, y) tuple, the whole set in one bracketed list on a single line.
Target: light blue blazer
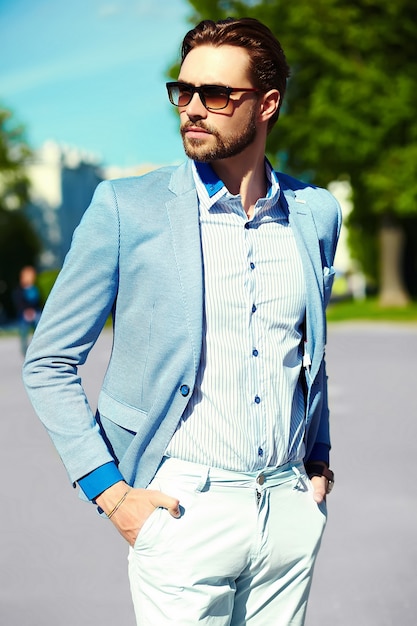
[(137, 254)]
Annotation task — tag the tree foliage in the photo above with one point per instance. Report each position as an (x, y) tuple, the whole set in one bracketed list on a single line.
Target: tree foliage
[(350, 107), (14, 154), (19, 245)]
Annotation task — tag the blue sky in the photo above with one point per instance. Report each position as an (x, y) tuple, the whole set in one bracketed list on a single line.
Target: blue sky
[(92, 73)]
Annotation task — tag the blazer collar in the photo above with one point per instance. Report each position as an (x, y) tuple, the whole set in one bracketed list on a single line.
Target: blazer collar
[(182, 179)]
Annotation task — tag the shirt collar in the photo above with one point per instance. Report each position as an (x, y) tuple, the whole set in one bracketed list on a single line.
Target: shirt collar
[(213, 187), (209, 178)]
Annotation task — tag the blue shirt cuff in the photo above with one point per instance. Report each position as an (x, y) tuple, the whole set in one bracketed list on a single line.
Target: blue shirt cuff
[(97, 481)]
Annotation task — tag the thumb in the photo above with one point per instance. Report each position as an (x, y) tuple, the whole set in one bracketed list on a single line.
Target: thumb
[(319, 488), (175, 510), (167, 502), (319, 496)]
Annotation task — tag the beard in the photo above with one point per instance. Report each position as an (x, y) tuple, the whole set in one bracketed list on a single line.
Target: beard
[(224, 147)]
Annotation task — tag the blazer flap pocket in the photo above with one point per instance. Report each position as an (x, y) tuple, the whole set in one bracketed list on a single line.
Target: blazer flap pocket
[(120, 413)]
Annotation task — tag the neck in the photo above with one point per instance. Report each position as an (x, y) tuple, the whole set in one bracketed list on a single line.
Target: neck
[(244, 174)]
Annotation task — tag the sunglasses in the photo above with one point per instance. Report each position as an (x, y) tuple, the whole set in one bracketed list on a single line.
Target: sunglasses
[(213, 97)]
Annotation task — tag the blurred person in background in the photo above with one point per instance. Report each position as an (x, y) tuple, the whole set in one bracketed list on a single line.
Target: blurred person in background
[(209, 451), (27, 301)]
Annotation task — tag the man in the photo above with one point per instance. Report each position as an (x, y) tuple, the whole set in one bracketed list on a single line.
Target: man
[(27, 301), (217, 274)]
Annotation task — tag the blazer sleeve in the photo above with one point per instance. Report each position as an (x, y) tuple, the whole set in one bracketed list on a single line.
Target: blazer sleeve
[(74, 315)]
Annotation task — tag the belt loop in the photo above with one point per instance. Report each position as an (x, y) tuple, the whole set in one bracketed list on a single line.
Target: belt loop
[(203, 483), (300, 481)]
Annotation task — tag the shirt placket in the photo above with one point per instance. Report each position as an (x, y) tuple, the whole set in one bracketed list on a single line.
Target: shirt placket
[(255, 376)]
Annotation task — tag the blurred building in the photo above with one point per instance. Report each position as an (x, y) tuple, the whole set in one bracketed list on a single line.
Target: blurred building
[(63, 181), (350, 280)]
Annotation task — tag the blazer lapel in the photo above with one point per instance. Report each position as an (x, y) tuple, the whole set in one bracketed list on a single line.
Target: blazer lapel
[(185, 228), (305, 233)]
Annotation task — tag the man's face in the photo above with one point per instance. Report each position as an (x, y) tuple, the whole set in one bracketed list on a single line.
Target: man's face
[(214, 135)]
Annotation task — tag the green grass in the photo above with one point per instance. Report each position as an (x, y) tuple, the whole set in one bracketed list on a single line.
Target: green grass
[(369, 309)]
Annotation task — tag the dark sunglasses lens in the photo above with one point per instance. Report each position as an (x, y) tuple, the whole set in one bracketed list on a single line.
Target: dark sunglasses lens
[(179, 95), (215, 97)]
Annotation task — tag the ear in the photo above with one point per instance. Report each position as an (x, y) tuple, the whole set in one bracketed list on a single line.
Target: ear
[(269, 104)]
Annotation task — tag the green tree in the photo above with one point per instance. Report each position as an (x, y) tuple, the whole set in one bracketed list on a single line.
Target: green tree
[(349, 113), (19, 245)]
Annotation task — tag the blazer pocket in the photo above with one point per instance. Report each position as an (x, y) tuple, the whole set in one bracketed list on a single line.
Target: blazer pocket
[(122, 414)]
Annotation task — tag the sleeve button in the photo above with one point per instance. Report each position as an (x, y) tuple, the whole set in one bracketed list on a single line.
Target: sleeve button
[(184, 390)]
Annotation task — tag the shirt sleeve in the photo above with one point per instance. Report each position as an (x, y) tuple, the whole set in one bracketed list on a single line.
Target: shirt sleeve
[(94, 483), (320, 452)]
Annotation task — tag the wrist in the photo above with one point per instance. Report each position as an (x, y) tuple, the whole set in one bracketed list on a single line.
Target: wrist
[(108, 499)]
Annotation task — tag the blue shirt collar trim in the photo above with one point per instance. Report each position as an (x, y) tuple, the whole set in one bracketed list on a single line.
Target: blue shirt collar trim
[(209, 178)]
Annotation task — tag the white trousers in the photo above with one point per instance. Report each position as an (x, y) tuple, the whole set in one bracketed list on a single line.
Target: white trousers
[(242, 552)]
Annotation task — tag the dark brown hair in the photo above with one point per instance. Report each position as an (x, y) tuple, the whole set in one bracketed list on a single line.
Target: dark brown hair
[(268, 65)]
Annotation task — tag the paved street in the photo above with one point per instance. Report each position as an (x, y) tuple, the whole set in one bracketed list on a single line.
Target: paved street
[(61, 565)]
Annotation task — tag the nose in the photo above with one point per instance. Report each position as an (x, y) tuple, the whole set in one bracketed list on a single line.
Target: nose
[(195, 108)]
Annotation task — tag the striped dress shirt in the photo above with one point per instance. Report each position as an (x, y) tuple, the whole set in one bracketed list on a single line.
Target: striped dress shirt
[(247, 410)]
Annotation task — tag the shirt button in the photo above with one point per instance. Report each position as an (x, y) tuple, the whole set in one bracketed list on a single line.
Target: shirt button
[(247, 225), (253, 308), (257, 399), (260, 452), (184, 390), (255, 352), (252, 266)]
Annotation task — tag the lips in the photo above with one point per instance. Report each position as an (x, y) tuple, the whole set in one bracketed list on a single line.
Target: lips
[(194, 132)]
